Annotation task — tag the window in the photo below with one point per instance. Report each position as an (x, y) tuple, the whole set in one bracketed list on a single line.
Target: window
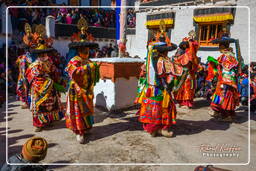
[(153, 32), (85, 2), (61, 2), (105, 3), (208, 32), (74, 2)]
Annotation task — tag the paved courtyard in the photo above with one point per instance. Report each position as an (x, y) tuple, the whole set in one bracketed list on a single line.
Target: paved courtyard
[(119, 138)]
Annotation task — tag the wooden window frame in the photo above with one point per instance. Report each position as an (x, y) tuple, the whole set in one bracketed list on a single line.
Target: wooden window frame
[(206, 43)]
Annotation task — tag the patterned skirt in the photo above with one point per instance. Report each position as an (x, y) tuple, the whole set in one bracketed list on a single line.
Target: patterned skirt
[(186, 93), (225, 101), (22, 90), (79, 114), (152, 112), (48, 111)]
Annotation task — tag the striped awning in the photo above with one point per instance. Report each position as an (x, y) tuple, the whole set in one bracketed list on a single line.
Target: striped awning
[(153, 20), (157, 22), (213, 15)]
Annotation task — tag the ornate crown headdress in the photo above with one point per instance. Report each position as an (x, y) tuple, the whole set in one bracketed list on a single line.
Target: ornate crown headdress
[(162, 27), (28, 38), (192, 34)]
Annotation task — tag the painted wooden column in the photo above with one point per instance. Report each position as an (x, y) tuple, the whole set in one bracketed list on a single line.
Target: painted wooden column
[(123, 23)]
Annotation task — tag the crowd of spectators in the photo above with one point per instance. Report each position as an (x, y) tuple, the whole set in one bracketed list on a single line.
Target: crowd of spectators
[(98, 17), (13, 52), (20, 16), (105, 52), (11, 69), (145, 0)]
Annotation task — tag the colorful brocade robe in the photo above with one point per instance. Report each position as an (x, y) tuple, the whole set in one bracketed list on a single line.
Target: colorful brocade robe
[(185, 94), (157, 106), (226, 96), (22, 89), (83, 76), (45, 100)]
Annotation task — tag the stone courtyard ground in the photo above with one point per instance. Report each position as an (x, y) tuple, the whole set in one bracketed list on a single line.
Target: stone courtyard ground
[(119, 138)]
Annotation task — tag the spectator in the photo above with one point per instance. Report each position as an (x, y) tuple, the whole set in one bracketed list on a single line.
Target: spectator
[(74, 16), (114, 53), (33, 151), (35, 18), (2, 87), (253, 93), (127, 55), (110, 49), (59, 18), (64, 11), (11, 82), (69, 19), (98, 53), (244, 90)]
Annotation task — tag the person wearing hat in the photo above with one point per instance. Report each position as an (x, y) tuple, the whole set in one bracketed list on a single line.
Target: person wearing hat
[(83, 75), (43, 78), (211, 76), (226, 96), (158, 111), (253, 92), (186, 57), (82, 26), (33, 151), (23, 63)]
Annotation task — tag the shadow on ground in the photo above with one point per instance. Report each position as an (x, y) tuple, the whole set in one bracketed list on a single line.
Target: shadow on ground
[(201, 103), (99, 132)]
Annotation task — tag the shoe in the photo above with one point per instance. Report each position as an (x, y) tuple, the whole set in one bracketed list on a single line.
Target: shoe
[(80, 138), (24, 106), (185, 107), (214, 114), (50, 124), (153, 134), (227, 119), (38, 129), (88, 131), (210, 111), (165, 133)]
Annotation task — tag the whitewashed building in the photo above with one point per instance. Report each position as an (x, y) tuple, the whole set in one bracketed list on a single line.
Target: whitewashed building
[(198, 16)]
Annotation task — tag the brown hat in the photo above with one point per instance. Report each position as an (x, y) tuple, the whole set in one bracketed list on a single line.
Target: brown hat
[(35, 149)]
